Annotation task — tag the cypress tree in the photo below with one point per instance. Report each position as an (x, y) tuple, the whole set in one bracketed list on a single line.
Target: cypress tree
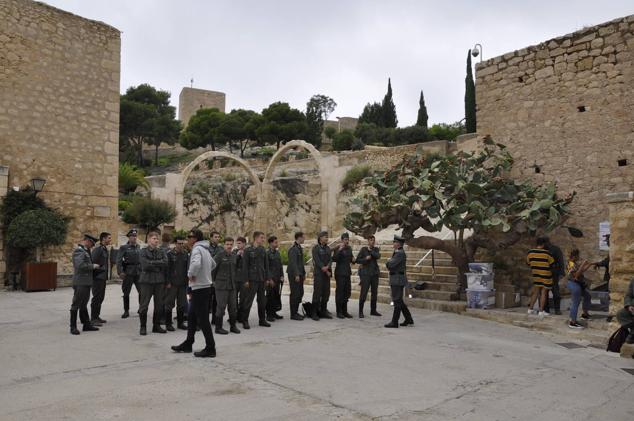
[(470, 99), (422, 112), (389, 110)]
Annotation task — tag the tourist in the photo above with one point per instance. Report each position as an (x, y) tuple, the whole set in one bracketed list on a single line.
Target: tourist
[(201, 264), (368, 258), (397, 266), (224, 280), (152, 283), (275, 281), (82, 283), (214, 247), (129, 269), (101, 257), (625, 316), (343, 256), (296, 275), (322, 272), (176, 285), (541, 261), (254, 272), (578, 288), (241, 244), (558, 270)]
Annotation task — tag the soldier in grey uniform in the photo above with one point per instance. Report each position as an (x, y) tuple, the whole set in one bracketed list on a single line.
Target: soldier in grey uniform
[(322, 272), (224, 276), (343, 256), (367, 259), (100, 256), (82, 283), (214, 248), (275, 280), (296, 275), (254, 273), (176, 285), (398, 281), (241, 244), (129, 269), (152, 283)]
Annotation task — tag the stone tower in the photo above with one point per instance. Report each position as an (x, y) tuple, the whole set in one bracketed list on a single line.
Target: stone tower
[(191, 100)]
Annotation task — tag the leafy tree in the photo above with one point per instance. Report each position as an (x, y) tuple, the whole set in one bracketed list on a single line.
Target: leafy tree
[(37, 228), (149, 213), (371, 134), (343, 140), (146, 117), (281, 124), (444, 131), (17, 202), (422, 118), (202, 129), (470, 99), (130, 177), (389, 110), (372, 114), (239, 126), (318, 108), (330, 132), (409, 135), (464, 193)]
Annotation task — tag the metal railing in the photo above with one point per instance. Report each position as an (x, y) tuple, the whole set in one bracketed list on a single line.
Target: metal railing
[(432, 250)]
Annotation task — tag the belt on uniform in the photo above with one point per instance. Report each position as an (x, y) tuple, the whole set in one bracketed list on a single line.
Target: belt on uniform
[(397, 273)]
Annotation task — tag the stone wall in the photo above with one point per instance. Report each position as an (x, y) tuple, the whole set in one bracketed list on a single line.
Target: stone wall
[(342, 123), (621, 246), (191, 100), (565, 109), (59, 114)]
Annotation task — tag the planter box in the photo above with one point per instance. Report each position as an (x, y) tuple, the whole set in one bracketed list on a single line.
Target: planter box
[(39, 276)]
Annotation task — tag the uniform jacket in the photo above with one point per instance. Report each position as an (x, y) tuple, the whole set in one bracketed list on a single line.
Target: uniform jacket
[(255, 265), (128, 259), (214, 249), (397, 266), (177, 264), (321, 257), (344, 259), (239, 276), (295, 262), (82, 266), (153, 266), (225, 271), (101, 257), (559, 268), (370, 267), (201, 264), (276, 270), (628, 300)]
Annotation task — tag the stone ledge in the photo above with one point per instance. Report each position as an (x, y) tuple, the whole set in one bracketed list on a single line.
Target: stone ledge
[(620, 197)]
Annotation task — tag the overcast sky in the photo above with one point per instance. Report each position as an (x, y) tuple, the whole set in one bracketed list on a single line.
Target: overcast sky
[(262, 51)]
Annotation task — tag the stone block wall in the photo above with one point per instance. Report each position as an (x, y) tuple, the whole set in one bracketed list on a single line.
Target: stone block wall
[(565, 109), (59, 114), (191, 100), (621, 246)]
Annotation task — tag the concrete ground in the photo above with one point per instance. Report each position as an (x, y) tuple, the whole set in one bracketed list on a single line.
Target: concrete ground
[(446, 367)]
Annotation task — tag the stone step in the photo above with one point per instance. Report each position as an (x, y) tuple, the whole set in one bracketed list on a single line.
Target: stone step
[(443, 295), (416, 276), (447, 270)]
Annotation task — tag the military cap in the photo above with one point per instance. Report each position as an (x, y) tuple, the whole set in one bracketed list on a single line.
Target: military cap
[(345, 235), (132, 232), (399, 239), (91, 238)]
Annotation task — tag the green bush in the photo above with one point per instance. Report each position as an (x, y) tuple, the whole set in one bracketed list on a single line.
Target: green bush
[(284, 255), (330, 132), (17, 202), (445, 131), (37, 228), (149, 213), (357, 145), (265, 152), (355, 175), (124, 204), (131, 177), (302, 155), (343, 140)]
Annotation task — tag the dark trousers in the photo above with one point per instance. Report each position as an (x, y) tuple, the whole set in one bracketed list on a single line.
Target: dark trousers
[(126, 287), (343, 289), (321, 293), (213, 303), (297, 294), (147, 292), (273, 299), (399, 304), (198, 316), (239, 297), (369, 283), (226, 300), (98, 294), (81, 296), (255, 289), (556, 296), (176, 296)]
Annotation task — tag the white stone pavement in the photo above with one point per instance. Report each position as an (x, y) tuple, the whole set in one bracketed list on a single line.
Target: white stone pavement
[(446, 367)]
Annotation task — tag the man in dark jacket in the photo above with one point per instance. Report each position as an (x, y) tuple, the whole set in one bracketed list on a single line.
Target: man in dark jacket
[(275, 281), (296, 275), (100, 256), (397, 266), (558, 270), (254, 273), (343, 256), (367, 259), (82, 282), (625, 316), (129, 269), (322, 272), (152, 283), (241, 244), (214, 248), (176, 286), (224, 276)]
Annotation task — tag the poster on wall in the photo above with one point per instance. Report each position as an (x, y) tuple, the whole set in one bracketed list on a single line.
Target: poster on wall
[(604, 229)]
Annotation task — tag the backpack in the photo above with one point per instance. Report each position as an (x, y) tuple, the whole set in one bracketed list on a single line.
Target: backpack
[(307, 309), (617, 339)]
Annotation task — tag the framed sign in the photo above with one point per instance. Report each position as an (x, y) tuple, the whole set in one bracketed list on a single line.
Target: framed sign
[(604, 232)]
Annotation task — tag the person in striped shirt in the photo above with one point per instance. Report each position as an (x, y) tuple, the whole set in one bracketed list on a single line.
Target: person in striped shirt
[(541, 261)]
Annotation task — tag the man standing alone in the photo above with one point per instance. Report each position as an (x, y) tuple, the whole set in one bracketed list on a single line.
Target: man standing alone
[(100, 256), (322, 272), (343, 257), (152, 283), (82, 282), (296, 275), (369, 273), (397, 266)]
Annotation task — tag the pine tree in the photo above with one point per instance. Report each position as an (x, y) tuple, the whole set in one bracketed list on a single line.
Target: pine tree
[(389, 110), (422, 112), (470, 99)]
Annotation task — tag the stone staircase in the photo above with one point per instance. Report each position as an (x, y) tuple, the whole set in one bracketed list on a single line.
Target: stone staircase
[(440, 291)]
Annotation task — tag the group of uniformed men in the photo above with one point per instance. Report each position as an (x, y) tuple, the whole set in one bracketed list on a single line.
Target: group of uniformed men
[(199, 277)]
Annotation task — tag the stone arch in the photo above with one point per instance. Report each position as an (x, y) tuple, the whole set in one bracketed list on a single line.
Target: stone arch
[(180, 188), (317, 156)]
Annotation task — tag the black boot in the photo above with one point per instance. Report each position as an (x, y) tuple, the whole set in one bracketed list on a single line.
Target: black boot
[(361, 303), (180, 320), (395, 317), (156, 324), (408, 317), (143, 324), (184, 347), (339, 311), (264, 323), (245, 325), (169, 323), (73, 323), (233, 328), (89, 328), (219, 329), (345, 310), (205, 353), (373, 311), (126, 308)]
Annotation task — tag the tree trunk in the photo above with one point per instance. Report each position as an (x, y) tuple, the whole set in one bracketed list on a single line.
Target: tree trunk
[(458, 255), (140, 153), (213, 146), (156, 156)]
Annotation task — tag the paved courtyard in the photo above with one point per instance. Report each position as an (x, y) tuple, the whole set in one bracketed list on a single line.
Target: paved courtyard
[(447, 367)]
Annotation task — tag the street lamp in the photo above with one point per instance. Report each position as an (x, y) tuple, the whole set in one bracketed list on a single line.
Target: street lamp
[(477, 51), (38, 184)]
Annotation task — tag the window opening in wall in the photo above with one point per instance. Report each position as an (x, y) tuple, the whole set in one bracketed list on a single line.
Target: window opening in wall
[(520, 79), (537, 169), (622, 162), (581, 108)]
